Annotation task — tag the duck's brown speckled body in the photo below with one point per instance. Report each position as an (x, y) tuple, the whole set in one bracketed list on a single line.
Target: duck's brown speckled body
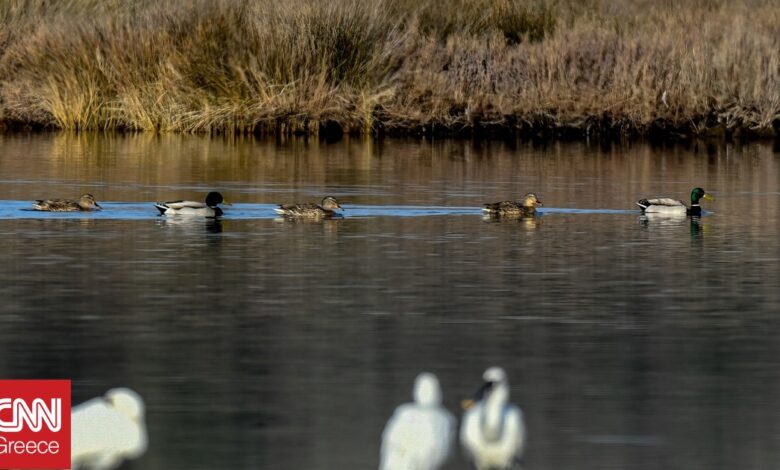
[(524, 208), (85, 203), (311, 210)]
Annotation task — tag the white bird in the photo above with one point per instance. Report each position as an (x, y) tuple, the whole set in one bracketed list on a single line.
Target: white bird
[(209, 208), (107, 430), (419, 435), (493, 432)]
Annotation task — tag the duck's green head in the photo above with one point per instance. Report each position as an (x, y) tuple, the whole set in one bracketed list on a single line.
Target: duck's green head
[(698, 194), (213, 199)]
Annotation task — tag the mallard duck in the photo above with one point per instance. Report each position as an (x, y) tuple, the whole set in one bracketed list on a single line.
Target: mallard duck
[(85, 203), (202, 209), (492, 432), (108, 430), (419, 435), (526, 207), (665, 205), (310, 210)]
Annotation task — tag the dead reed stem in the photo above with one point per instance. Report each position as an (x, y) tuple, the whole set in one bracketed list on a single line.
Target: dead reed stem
[(401, 66)]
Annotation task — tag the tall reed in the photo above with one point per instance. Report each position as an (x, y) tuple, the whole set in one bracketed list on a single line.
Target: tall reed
[(399, 66)]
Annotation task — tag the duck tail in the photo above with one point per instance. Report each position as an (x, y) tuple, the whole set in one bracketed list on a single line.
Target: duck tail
[(279, 210), (161, 207), (490, 208)]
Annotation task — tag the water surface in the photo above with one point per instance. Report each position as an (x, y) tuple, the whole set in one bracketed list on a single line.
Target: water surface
[(263, 343)]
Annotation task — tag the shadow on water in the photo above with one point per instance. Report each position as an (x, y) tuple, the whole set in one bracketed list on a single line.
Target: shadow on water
[(261, 343)]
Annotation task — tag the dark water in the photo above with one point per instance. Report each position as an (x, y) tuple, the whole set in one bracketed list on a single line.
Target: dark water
[(259, 343)]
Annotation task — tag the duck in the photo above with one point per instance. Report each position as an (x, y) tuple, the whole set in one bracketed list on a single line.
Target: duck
[(85, 203), (209, 208), (327, 208), (108, 430), (669, 206), (419, 435), (492, 432), (524, 208)]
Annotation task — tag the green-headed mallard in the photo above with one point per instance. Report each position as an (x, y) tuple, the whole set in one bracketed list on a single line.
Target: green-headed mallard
[(526, 207), (665, 205), (201, 209), (310, 210), (85, 203)]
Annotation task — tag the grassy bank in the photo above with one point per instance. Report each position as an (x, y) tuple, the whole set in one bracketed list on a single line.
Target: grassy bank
[(637, 67)]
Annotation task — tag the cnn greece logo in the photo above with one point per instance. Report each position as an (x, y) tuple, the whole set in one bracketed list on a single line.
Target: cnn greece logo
[(34, 429)]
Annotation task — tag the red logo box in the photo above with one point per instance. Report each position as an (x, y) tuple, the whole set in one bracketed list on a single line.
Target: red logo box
[(34, 424)]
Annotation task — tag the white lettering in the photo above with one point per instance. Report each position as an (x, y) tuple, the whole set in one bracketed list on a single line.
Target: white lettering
[(28, 447), (34, 416)]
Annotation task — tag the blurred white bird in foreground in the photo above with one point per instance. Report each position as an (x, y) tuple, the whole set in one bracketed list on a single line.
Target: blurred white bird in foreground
[(419, 435), (492, 432), (108, 430)]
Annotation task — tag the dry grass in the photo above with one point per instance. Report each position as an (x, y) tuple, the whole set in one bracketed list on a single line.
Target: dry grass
[(588, 67)]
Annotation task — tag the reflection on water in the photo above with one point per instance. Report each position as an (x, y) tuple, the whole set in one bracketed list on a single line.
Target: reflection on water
[(629, 342), (189, 225)]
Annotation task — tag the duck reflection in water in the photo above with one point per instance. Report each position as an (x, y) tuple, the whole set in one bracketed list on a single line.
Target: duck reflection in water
[(698, 228), (664, 222), (193, 225), (527, 222)]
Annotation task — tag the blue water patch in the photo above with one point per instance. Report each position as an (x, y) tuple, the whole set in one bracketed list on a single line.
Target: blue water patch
[(146, 210)]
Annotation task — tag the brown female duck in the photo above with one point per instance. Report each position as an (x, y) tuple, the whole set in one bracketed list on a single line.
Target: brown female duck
[(310, 210), (85, 203), (524, 208)]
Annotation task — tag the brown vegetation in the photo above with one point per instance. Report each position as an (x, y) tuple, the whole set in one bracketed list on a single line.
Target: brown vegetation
[(633, 67)]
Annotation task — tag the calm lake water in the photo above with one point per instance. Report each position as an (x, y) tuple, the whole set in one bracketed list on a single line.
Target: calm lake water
[(258, 343)]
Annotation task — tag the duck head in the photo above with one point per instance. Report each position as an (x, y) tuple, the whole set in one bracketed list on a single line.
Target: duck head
[(494, 387), (530, 200), (87, 201), (330, 203), (213, 199), (698, 194), (126, 402), (427, 390)]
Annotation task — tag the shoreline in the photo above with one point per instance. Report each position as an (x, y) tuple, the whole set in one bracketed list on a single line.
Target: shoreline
[(594, 129), (560, 69)]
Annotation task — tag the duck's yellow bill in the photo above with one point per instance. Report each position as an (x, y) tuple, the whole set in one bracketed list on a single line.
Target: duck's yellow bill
[(707, 197), (466, 404)]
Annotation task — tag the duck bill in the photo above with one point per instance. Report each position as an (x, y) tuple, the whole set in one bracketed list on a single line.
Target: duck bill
[(539, 203), (98, 206), (469, 402), (707, 197)]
